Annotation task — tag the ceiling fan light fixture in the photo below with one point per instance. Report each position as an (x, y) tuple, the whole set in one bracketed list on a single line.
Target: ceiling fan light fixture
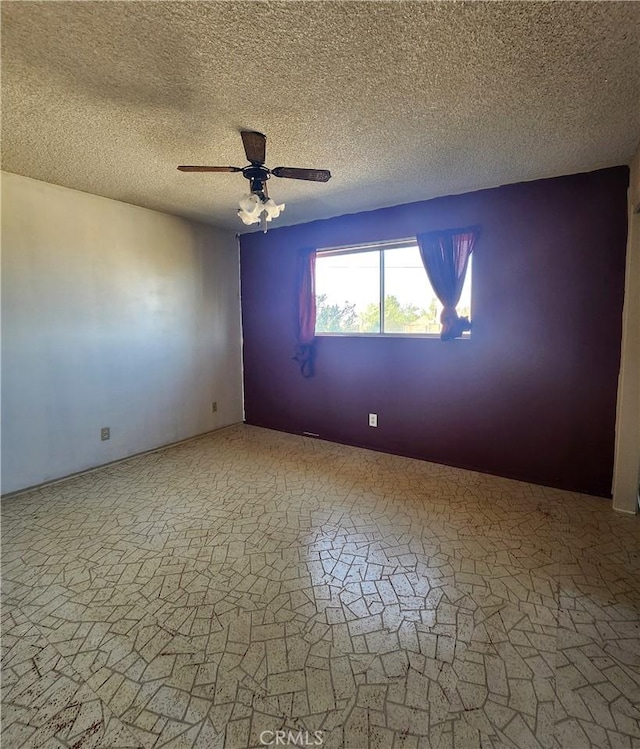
[(256, 209)]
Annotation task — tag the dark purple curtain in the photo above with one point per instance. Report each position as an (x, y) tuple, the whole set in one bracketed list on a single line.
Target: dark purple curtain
[(306, 297), (445, 256)]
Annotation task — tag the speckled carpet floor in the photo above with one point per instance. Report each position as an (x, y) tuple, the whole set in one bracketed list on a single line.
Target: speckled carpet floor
[(249, 582)]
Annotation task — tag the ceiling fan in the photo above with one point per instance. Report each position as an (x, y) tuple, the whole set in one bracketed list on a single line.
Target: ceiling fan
[(257, 206)]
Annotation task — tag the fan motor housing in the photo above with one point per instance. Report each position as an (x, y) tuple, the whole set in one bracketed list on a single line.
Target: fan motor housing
[(259, 173), (257, 176)]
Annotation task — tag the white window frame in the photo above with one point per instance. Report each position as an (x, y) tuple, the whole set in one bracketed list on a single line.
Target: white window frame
[(389, 244)]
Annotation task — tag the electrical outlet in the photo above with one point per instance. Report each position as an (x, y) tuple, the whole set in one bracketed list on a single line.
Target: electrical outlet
[(373, 420), (214, 406), (105, 433)]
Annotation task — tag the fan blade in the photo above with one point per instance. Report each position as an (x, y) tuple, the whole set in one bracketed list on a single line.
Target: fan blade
[(209, 168), (315, 175), (254, 146)]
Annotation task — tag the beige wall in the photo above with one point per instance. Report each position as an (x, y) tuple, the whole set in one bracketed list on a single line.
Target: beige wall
[(112, 315), (627, 459)]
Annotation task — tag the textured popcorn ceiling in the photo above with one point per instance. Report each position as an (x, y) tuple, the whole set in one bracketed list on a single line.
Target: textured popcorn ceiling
[(401, 101)]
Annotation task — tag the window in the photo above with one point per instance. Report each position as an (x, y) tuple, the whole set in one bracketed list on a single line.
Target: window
[(379, 289)]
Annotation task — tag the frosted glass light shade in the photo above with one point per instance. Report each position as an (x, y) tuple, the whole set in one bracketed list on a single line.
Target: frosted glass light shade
[(272, 209), (248, 218), (251, 204)]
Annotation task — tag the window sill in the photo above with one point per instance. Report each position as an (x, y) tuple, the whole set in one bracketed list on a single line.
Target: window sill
[(434, 336)]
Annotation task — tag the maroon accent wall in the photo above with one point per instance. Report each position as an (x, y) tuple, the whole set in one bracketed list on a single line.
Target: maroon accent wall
[(532, 394)]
